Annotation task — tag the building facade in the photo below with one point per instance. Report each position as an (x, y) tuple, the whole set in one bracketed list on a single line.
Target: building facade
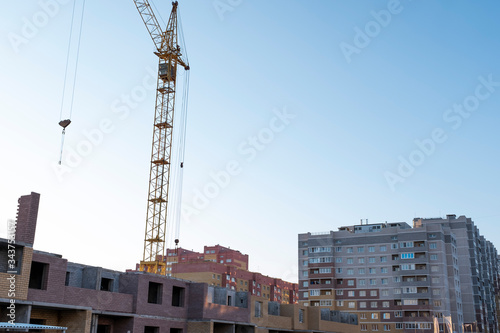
[(402, 278)]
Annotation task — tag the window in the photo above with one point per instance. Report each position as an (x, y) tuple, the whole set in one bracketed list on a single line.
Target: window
[(305, 294), (68, 277), (361, 271), (325, 270), (361, 249), (325, 303), (409, 290), (374, 327), (338, 260), (349, 250), (434, 257), (385, 304), (383, 270), (383, 248), (373, 304), (410, 302), (338, 249), (398, 314), (314, 292), (436, 292), (340, 303), (432, 245), (154, 292), (177, 296), (362, 305), (371, 260), (339, 270), (373, 282), (397, 291), (394, 246), (38, 275), (304, 263), (351, 293), (364, 327), (372, 270), (396, 278), (362, 293), (406, 267), (373, 293), (305, 253), (434, 268), (304, 273), (374, 315), (387, 327), (305, 284), (432, 235), (106, 284), (371, 248), (386, 315), (399, 326), (383, 259), (437, 303), (351, 305), (406, 244), (151, 329), (407, 255), (301, 315), (258, 309), (385, 281), (339, 292), (362, 282), (350, 260), (350, 282), (361, 260), (350, 271), (435, 280)]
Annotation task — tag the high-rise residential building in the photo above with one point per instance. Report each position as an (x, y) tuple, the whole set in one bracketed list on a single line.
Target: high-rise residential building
[(397, 277)]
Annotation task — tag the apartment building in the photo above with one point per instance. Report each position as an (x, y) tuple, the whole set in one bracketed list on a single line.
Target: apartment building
[(402, 278), (221, 266)]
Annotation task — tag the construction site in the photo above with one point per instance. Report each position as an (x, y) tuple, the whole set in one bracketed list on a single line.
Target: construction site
[(256, 181)]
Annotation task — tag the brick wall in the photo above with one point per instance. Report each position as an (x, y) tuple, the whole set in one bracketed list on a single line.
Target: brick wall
[(98, 300), (22, 280), (77, 321), (56, 277), (27, 213)]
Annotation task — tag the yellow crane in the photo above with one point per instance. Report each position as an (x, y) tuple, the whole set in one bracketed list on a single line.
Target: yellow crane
[(170, 56)]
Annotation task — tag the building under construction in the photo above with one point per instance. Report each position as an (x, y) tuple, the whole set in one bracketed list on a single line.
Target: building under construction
[(49, 290)]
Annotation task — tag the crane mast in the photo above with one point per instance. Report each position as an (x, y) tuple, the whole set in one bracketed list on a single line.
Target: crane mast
[(169, 57)]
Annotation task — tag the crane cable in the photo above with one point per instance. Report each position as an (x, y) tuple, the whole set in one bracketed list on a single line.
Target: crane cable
[(65, 122), (181, 146)]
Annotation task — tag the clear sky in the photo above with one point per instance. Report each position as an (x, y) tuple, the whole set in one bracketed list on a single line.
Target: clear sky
[(324, 112)]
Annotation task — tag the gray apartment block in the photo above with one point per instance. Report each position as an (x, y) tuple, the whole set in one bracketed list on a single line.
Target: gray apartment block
[(401, 278)]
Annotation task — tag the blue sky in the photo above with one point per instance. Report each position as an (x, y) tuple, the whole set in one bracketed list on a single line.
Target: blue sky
[(354, 106)]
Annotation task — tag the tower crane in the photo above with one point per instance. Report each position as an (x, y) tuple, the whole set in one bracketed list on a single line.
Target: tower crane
[(169, 58)]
